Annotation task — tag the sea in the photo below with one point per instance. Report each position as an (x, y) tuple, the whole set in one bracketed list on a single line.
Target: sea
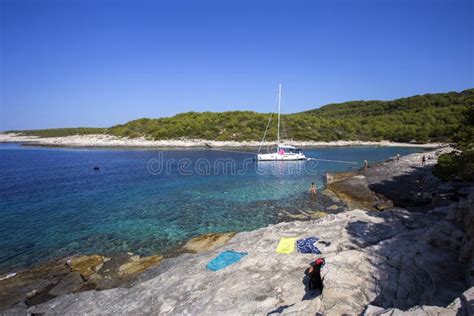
[(57, 202)]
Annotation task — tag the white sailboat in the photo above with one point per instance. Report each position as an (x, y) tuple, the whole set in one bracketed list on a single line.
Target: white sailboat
[(284, 152)]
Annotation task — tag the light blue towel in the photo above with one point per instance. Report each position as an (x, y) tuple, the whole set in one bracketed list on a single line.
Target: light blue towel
[(225, 259)]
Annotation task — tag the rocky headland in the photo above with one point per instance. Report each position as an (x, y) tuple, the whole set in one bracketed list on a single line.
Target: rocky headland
[(406, 246)]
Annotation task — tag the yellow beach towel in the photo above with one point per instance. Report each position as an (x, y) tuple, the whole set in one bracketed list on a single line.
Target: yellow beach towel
[(286, 245)]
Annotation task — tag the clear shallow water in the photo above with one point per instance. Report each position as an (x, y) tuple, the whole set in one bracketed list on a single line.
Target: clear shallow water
[(53, 204)]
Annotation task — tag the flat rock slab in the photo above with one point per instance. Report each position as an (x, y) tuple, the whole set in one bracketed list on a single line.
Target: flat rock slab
[(139, 264), (207, 242), (71, 283), (355, 191)]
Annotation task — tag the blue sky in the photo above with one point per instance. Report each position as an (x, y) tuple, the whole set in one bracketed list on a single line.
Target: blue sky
[(100, 63)]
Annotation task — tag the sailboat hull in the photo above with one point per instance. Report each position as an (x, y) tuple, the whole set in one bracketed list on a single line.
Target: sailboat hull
[(280, 157)]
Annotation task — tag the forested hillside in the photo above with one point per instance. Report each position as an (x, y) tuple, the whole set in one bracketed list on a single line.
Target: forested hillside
[(423, 118), (430, 117)]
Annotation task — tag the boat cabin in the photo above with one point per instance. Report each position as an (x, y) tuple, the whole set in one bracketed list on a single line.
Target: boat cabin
[(288, 149)]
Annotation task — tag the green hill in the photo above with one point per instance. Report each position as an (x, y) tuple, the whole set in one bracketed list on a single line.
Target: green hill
[(429, 117), (422, 118)]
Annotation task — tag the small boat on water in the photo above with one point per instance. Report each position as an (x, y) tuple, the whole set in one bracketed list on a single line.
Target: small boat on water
[(284, 152)]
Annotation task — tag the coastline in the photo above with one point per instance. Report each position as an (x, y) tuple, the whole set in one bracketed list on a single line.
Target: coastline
[(109, 141), (400, 231)]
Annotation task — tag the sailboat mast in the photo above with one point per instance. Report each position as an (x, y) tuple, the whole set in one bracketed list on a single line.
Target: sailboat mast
[(279, 104)]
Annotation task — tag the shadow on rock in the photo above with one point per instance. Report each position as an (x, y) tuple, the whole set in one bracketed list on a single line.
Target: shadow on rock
[(280, 309), (417, 190), (411, 258)]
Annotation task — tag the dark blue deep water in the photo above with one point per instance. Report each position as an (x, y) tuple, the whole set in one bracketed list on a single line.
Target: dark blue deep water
[(53, 203)]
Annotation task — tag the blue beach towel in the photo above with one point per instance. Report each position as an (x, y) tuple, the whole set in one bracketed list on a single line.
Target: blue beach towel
[(307, 245), (225, 259)]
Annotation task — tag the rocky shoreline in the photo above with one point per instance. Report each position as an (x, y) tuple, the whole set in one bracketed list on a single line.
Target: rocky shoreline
[(407, 182), (29, 286), (36, 285), (407, 245), (86, 141)]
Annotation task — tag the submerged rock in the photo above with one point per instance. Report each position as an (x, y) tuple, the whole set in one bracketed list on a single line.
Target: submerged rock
[(86, 265), (302, 215)]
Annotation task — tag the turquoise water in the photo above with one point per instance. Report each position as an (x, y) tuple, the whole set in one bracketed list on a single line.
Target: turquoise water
[(53, 203)]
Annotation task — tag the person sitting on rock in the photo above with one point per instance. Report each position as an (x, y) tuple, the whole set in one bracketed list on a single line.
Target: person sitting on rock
[(315, 281)]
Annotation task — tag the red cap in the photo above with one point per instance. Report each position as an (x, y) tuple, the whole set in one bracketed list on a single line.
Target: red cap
[(320, 261)]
